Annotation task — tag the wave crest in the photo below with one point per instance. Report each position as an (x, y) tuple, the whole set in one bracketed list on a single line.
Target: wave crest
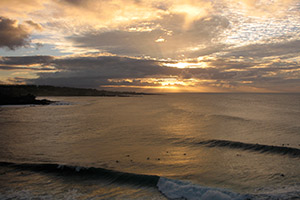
[(110, 176), (252, 147), (172, 189)]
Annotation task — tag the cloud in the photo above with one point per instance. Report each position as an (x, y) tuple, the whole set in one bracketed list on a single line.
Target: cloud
[(96, 71), (261, 8), (208, 50), (182, 27), (34, 64), (12, 34), (227, 74), (267, 50), (21, 8), (237, 43), (112, 67), (25, 60), (3, 67), (36, 26), (136, 41), (118, 12), (121, 42)]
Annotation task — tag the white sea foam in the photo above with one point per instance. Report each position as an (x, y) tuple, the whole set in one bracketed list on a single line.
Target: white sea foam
[(60, 103), (175, 189), (76, 168)]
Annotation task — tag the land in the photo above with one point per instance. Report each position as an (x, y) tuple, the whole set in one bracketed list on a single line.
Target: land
[(22, 99), (26, 94)]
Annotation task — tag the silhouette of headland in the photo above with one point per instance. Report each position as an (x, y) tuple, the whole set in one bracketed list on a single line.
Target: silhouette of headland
[(26, 94)]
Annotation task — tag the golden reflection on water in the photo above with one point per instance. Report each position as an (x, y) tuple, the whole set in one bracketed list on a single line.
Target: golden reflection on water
[(122, 133)]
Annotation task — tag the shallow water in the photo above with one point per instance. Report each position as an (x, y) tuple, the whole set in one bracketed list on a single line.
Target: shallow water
[(223, 146)]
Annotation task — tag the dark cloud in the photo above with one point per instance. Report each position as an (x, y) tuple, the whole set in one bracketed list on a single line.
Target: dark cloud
[(38, 45), (12, 34), (95, 71), (121, 42), (267, 50), (135, 42), (73, 2), (26, 60), (227, 63), (206, 73), (74, 81), (25, 68), (113, 66)]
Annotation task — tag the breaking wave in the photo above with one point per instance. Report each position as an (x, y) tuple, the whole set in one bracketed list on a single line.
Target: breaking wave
[(177, 189), (110, 176), (252, 147), (170, 188)]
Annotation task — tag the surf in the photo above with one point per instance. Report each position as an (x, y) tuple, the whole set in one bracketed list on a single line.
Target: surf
[(110, 176), (294, 152), (170, 188)]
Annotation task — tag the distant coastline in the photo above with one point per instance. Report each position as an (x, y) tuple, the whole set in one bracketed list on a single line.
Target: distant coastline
[(26, 94)]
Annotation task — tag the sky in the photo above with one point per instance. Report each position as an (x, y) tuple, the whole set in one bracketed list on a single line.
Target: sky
[(152, 45)]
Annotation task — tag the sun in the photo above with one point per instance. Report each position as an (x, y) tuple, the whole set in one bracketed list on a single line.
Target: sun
[(163, 84), (183, 65)]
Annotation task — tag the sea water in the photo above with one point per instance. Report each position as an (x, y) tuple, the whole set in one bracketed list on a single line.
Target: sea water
[(171, 146)]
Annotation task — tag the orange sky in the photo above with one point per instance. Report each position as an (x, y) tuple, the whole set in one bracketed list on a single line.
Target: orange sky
[(153, 45)]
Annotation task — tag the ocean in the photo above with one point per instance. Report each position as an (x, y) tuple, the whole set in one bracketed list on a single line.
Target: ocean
[(170, 146)]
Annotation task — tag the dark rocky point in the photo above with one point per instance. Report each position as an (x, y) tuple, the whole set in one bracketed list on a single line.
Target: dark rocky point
[(26, 94), (8, 99)]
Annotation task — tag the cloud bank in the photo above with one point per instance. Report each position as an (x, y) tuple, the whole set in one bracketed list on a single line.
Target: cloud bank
[(197, 45), (95, 71)]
